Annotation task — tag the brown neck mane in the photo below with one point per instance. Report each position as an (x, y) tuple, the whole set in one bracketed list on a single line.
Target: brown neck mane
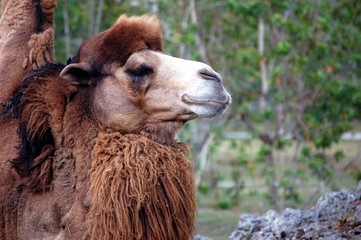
[(151, 186), (163, 133)]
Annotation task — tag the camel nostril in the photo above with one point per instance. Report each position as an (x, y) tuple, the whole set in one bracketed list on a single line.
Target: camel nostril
[(209, 75)]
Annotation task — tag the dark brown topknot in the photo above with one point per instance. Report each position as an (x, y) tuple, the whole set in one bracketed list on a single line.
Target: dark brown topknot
[(128, 35)]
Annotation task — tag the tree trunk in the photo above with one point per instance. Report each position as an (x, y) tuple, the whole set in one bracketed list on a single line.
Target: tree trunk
[(203, 156), (154, 7), (199, 41), (263, 103), (98, 16), (66, 29), (91, 18), (263, 69), (272, 187)]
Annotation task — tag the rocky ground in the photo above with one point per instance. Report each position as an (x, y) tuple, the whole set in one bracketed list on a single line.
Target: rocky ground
[(336, 216)]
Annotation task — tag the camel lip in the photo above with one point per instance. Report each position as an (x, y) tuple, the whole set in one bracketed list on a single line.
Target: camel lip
[(198, 101)]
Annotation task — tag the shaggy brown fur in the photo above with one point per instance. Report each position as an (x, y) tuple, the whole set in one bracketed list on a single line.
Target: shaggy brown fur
[(151, 186), (127, 36), (40, 116)]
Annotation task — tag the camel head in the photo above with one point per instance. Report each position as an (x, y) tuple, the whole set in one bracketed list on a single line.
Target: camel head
[(134, 83)]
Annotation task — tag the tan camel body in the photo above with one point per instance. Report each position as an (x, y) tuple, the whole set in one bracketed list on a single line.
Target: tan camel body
[(97, 156)]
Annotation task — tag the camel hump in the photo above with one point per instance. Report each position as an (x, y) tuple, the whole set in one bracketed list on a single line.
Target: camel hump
[(26, 40)]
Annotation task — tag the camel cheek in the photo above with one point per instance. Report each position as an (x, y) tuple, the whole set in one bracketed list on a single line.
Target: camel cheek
[(115, 109)]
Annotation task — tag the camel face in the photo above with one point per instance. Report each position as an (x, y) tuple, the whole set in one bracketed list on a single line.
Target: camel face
[(134, 84), (154, 87)]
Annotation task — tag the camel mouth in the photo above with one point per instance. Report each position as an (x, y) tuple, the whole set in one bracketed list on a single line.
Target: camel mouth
[(223, 100), (207, 107)]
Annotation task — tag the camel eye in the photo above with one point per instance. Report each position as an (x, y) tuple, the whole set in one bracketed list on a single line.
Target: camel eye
[(141, 71)]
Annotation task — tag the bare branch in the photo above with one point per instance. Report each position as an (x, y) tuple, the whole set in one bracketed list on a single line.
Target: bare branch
[(351, 161)]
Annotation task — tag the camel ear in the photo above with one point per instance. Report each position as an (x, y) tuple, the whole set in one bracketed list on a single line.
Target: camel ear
[(77, 73)]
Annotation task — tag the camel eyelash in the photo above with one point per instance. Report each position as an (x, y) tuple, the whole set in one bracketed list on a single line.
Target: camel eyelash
[(141, 71)]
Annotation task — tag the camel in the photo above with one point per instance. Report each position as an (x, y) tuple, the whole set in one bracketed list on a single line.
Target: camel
[(96, 155)]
